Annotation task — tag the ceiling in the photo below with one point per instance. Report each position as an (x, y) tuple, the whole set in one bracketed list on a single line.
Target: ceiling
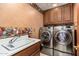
[(46, 6)]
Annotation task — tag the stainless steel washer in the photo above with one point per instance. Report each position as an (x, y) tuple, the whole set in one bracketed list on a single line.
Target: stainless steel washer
[(63, 40), (46, 36)]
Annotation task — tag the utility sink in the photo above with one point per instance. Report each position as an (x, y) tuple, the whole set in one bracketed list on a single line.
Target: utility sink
[(22, 41)]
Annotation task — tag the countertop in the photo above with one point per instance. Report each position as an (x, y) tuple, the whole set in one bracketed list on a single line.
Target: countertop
[(4, 52)]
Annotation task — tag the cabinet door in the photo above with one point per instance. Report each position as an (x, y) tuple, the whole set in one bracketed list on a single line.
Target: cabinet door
[(30, 51), (56, 16), (77, 19), (67, 13), (77, 47), (36, 53), (47, 18)]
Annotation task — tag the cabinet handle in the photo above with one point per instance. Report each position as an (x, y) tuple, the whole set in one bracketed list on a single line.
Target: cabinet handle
[(76, 47)]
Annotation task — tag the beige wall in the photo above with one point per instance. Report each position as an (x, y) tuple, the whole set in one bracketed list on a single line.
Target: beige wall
[(21, 15)]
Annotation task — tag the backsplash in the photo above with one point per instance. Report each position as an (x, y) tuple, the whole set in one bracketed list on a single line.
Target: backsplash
[(10, 32)]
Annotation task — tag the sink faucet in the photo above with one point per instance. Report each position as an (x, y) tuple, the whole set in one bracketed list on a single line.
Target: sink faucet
[(13, 40)]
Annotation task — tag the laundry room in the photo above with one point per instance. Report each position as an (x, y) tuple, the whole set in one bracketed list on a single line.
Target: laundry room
[(39, 29), (59, 34)]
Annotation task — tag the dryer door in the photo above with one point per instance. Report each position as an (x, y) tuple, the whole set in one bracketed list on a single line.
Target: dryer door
[(63, 37), (46, 39)]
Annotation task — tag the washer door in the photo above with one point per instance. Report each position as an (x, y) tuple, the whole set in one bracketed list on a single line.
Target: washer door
[(45, 38), (63, 37)]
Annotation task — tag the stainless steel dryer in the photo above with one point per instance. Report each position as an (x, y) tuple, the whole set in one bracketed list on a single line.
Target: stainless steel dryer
[(46, 36), (63, 40)]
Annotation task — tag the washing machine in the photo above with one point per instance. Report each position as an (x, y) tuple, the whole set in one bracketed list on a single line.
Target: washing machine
[(46, 36), (63, 40)]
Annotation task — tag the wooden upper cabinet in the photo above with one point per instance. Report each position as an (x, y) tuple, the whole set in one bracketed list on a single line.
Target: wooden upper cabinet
[(52, 16), (67, 13), (59, 15), (56, 16), (47, 18)]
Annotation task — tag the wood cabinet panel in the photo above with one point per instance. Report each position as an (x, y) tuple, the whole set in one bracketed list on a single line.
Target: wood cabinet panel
[(52, 16), (77, 41), (76, 22), (67, 13), (59, 15), (47, 17), (36, 53), (77, 9), (56, 16), (32, 50)]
